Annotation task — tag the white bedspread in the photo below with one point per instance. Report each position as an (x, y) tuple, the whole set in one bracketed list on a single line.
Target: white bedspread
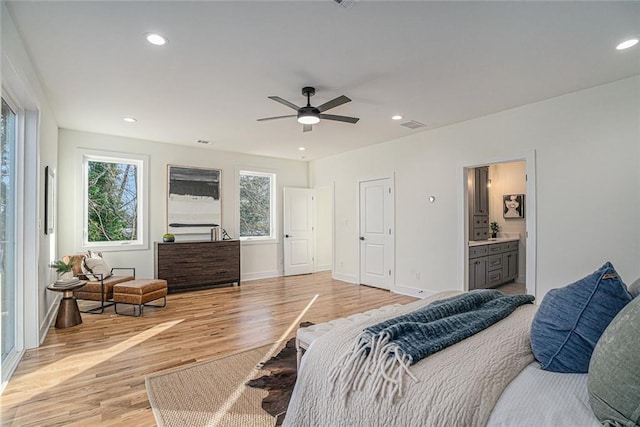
[(457, 386)]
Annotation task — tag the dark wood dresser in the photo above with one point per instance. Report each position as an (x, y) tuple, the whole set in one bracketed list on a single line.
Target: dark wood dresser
[(193, 265)]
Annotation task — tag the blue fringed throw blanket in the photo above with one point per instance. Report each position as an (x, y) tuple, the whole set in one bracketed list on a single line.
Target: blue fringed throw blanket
[(382, 353)]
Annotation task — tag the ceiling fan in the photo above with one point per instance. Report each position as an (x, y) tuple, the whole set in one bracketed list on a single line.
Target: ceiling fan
[(308, 115)]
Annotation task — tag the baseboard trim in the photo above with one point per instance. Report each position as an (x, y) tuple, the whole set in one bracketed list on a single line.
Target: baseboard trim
[(324, 267), (412, 292), (49, 318), (261, 275), (349, 278)]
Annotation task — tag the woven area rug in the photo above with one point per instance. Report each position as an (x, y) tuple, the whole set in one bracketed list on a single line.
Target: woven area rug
[(212, 393)]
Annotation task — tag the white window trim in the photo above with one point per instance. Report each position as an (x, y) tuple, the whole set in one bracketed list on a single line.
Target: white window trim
[(274, 206), (142, 162)]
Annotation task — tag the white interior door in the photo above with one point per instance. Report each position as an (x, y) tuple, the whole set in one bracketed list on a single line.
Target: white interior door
[(298, 231), (376, 233)]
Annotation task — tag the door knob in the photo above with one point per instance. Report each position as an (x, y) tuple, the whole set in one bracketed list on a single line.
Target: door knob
[(361, 238), (287, 235)]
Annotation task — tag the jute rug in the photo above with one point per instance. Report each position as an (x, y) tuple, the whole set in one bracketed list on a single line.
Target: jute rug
[(212, 393)]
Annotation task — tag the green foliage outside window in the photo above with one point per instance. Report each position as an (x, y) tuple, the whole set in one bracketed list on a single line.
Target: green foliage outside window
[(255, 205), (7, 169), (113, 201)]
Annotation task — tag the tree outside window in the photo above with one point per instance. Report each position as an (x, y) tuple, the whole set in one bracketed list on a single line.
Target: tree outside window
[(113, 191), (257, 210), (113, 201)]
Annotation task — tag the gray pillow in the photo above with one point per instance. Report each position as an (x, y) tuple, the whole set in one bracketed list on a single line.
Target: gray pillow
[(614, 370), (634, 288)]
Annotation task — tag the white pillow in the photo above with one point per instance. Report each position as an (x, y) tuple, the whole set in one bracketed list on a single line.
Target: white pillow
[(95, 267)]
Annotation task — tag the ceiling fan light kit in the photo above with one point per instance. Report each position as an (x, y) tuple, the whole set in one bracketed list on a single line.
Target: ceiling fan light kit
[(309, 115), (308, 119)]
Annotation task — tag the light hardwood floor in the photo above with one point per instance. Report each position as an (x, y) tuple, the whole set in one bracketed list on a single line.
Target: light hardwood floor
[(93, 374)]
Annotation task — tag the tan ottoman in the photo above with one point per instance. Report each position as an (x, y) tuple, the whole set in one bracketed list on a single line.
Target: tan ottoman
[(139, 292)]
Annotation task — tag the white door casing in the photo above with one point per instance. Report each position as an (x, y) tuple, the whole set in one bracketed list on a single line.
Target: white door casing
[(298, 219), (376, 233)]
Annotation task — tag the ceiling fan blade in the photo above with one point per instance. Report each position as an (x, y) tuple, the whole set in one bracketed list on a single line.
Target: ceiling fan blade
[(333, 103), (307, 128), (284, 102), (339, 118), (278, 117)]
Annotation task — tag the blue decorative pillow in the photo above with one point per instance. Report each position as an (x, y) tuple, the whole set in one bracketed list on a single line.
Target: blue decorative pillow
[(570, 320)]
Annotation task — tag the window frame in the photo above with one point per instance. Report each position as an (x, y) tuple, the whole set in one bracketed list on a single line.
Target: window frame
[(272, 238), (142, 164)]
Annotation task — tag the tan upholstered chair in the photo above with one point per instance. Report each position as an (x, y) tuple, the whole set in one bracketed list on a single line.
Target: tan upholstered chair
[(97, 290)]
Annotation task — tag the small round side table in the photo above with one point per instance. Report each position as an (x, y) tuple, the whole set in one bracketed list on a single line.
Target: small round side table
[(68, 311)]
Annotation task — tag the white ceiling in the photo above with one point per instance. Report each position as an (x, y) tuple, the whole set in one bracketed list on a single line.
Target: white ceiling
[(434, 62)]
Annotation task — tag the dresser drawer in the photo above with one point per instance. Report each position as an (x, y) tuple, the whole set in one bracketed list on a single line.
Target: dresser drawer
[(197, 264)]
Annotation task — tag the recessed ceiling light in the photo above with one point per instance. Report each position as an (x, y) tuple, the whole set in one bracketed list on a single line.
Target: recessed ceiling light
[(301, 148), (156, 39), (396, 117), (627, 44), (130, 120)]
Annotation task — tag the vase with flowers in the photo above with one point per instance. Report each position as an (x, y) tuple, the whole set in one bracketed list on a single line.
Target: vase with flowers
[(494, 229)]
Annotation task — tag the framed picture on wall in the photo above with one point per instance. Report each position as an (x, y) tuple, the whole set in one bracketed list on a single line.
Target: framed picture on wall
[(194, 204), (49, 200), (513, 206)]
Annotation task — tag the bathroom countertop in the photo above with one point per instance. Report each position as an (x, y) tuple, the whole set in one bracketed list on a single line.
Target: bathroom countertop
[(492, 241)]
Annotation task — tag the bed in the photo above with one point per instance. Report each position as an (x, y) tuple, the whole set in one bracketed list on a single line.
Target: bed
[(490, 378)]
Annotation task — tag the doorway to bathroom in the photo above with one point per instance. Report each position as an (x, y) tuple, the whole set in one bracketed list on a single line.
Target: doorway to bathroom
[(497, 216)]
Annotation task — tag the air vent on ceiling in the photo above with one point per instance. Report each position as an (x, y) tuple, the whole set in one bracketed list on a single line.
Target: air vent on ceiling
[(413, 124), (345, 3), (203, 141)]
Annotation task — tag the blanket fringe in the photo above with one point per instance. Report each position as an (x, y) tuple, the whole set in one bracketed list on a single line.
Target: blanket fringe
[(374, 364)]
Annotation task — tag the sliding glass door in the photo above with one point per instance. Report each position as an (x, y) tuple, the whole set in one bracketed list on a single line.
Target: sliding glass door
[(8, 202)]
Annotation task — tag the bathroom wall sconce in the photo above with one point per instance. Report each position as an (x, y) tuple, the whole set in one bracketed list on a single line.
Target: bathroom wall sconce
[(489, 184)]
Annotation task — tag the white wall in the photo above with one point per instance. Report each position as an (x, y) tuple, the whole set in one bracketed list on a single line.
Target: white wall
[(324, 229), (588, 185), (257, 260), (20, 81), (509, 178)]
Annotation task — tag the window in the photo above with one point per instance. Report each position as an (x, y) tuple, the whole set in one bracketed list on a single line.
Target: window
[(8, 231), (113, 201), (257, 205)]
